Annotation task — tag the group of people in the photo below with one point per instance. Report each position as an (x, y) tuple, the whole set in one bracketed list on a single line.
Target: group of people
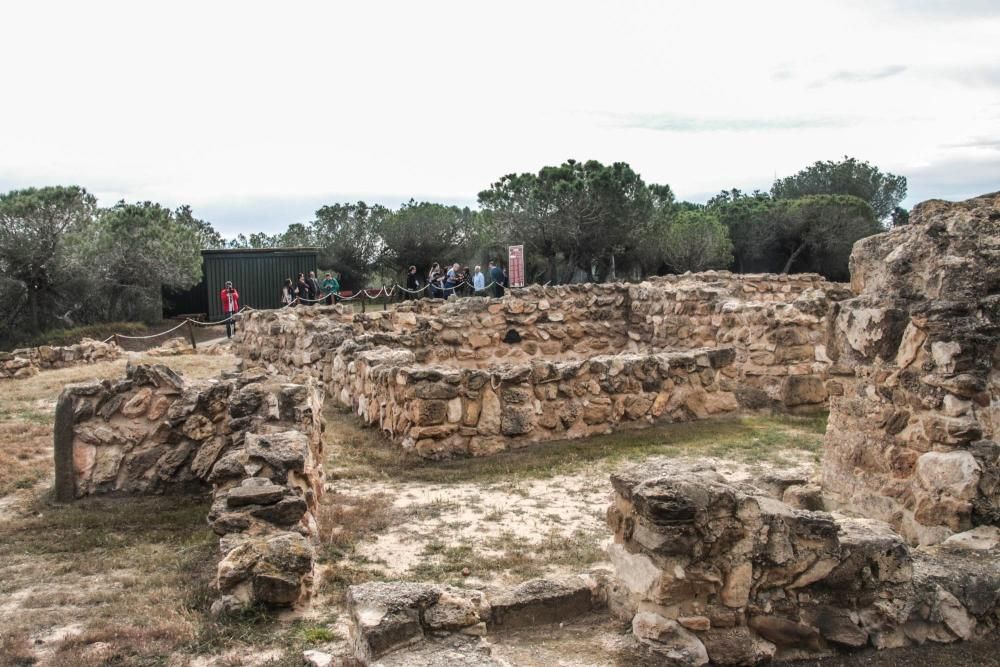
[(458, 280), (308, 290), (440, 284)]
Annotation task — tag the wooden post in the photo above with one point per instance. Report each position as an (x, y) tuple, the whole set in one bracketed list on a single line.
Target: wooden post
[(65, 488), (385, 298), (117, 341), (364, 297), (194, 345)]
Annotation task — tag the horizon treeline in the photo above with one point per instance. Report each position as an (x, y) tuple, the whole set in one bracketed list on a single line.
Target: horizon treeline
[(64, 261)]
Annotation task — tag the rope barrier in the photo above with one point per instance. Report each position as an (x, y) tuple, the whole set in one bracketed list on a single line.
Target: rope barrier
[(383, 291)]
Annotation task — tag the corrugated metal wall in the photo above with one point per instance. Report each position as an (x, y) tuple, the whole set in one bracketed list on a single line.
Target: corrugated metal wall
[(256, 274)]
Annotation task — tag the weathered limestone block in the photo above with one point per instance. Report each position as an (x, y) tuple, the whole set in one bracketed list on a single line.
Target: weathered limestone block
[(921, 335), (709, 570), (388, 616)]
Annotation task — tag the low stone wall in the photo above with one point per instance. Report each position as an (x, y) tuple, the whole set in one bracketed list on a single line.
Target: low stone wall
[(25, 362), (254, 440), (710, 571), (442, 412), (913, 440), (388, 616), (777, 325), (554, 349)]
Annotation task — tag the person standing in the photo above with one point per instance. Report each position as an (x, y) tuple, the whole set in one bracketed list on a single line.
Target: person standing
[(451, 280), (287, 293), (412, 283), (479, 281), (314, 288), (230, 306), (496, 276), (434, 278), (331, 287), (302, 290)]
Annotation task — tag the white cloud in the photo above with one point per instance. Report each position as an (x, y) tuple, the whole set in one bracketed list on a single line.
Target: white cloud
[(254, 111)]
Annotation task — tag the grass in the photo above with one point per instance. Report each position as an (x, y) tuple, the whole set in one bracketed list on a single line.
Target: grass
[(364, 453), (60, 337), (137, 585), (509, 555)]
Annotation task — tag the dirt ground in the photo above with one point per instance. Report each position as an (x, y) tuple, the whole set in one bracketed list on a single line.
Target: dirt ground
[(127, 581)]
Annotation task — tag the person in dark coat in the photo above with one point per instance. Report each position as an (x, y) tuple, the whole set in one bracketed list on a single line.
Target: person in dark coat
[(313, 287), (302, 289), (496, 276), (412, 283)]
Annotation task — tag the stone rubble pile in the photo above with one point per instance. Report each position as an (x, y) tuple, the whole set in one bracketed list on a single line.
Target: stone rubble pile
[(715, 572), (25, 362), (913, 438), (252, 439)]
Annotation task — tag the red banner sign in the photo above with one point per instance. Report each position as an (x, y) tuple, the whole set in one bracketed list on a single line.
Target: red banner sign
[(515, 265)]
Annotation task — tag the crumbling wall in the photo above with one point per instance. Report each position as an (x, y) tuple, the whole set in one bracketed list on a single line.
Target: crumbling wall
[(441, 412), (254, 440), (913, 439), (544, 358), (28, 361), (708, 570)]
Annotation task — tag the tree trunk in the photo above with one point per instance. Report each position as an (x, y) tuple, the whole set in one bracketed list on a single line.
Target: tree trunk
[(793, 257), (33, 308), (611, 274), (553, 269)]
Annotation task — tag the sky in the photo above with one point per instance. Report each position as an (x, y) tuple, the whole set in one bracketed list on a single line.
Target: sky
[(258, 113)]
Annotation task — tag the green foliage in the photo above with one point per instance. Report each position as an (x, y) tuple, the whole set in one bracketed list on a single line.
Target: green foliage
[(882, 192), (817, 232), (900, 216), (35, 261), (577, 216), (696, 241), (349, 239), (141, 248), (424, 233), (65, 263), (208, 238)]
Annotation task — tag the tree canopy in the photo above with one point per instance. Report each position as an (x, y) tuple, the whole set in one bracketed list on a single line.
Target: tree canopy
[(62, 259), (883, 192)]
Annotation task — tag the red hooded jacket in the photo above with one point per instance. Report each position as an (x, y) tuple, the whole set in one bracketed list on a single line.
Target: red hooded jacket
[(230, 300)]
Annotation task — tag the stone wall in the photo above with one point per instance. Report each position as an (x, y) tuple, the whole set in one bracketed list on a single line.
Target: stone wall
[(442, 412), (711, 571), (913, 439), (25, 362), (252, 439), (554, 351)]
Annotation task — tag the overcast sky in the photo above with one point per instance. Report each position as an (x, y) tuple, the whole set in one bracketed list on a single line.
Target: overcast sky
[(258, 113)]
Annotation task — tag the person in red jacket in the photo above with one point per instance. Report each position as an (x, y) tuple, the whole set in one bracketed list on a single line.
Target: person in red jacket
[(230, 306)]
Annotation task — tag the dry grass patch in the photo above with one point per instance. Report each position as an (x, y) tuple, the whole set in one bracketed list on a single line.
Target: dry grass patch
[(134, 573), (362, 453)]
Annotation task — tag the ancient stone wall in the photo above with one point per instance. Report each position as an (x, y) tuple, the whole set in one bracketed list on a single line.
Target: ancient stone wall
[(913, 439), (442, 412), (438, 376), (708, 570), (25, 362), (253, 439)]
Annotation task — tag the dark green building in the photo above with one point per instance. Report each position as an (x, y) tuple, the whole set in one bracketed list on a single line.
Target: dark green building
[(257, 274)]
